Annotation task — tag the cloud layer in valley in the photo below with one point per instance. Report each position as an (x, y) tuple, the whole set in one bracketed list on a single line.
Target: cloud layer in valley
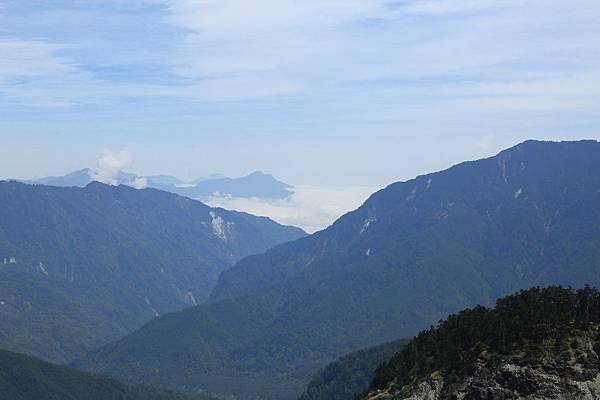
[(311, 208)]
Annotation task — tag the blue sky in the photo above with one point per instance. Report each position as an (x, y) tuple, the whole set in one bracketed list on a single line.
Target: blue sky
[(327, 92)]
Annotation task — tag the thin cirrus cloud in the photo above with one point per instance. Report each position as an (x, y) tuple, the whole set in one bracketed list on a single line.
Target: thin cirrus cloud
[(246, 49), (229, 50), (31, 58), (36, 72), (337, 42)]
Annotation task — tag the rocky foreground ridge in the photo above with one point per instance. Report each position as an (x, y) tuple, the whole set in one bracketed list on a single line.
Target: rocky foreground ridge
[(510, 380), (554, 359)]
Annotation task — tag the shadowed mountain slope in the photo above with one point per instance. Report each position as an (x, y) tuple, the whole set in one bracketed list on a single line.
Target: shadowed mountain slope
[(82, 266), (412, 254), (350, 375), (27, 378)]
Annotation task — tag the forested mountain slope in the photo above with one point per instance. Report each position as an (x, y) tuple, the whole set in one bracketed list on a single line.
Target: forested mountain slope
[(350, 375), (82, 266), (27, 378), (412, 254)]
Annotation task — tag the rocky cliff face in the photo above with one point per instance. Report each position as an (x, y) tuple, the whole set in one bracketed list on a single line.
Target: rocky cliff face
[(568, 380), (537, 344)]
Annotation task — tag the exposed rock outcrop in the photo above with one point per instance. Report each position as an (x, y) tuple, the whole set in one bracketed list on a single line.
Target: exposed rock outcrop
[(576, 379)]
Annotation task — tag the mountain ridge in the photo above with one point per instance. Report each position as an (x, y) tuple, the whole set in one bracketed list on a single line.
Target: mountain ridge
[(244, 275), (350, 375), (257, 184), (470, 234), (24, 378), (83, 266)]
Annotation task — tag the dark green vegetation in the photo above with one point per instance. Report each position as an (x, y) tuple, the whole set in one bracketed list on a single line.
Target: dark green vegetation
[(28, 378), (535, 325), (81, 267), (350, 375), (413, 254)]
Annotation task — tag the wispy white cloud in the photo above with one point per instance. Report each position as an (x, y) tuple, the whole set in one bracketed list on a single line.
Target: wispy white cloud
[(239, 50), (315, 46), (27, 59), (269, 42), (109, 164), (39, 73), (139, 183), (440, 7), (231, 17)]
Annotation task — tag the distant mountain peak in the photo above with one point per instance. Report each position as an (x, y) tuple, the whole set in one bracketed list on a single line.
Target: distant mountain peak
[(257, 184), (538, 145), (260, 174)]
